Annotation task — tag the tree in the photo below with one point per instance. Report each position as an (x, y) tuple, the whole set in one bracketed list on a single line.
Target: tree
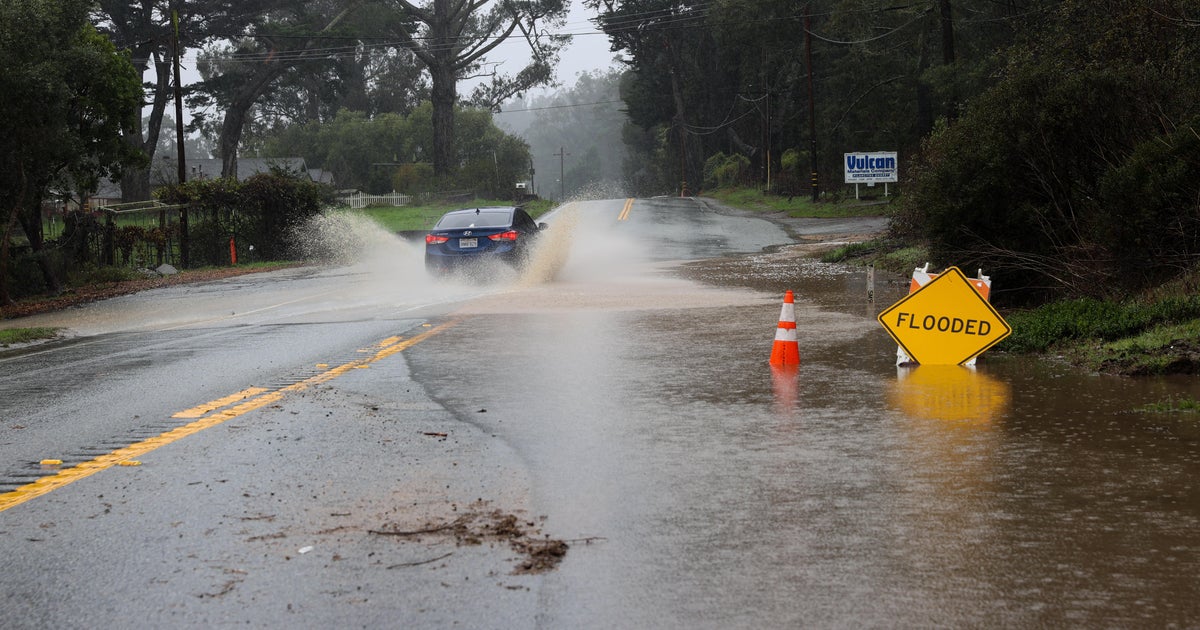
[(1075, 173), (453, 39), (143, 29), (66, 97), (194, 145), (358, 149), (587, 120), (731, 76), (390, 151), (236, 76), (672, 54), (363, 72)]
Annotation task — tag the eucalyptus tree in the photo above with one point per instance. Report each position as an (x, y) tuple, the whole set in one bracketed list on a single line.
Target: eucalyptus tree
[(453, 38), (239, 72), (363, 72), (144, 29), (672, 55), (66, 98)]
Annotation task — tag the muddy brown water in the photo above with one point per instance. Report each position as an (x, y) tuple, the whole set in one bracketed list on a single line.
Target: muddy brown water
[(1023, 492), (850, 492)]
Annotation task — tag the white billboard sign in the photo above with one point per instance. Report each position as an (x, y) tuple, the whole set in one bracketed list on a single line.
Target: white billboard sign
[(871, 168)]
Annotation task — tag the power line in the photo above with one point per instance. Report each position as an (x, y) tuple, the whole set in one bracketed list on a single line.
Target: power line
[(538, 109), (625, 23)]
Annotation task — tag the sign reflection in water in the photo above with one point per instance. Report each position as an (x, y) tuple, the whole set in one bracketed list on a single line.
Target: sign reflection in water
[(948, 392)]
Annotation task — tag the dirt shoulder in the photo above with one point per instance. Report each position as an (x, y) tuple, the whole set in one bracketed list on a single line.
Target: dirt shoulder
[(809, 230)]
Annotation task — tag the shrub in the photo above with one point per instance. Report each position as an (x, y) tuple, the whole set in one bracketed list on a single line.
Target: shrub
[(721, 171), (261, 211)]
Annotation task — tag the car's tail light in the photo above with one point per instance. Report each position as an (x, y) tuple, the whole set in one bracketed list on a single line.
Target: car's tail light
[(510, 235), (435, 239)]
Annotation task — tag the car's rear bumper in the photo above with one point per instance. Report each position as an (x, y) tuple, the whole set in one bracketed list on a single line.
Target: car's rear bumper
[(453, 262)]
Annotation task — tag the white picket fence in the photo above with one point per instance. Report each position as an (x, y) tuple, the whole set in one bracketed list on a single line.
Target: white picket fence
[(360, 200)]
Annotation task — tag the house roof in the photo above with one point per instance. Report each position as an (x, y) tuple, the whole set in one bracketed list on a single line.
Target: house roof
[(321, 176)]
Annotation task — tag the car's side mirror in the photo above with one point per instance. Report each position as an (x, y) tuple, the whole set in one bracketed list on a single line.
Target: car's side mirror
[(543, 226)]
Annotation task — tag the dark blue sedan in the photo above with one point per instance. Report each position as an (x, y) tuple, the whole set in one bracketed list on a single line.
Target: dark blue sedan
[(475, 236)]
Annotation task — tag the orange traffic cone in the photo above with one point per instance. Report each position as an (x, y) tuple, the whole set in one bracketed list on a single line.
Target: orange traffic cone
[(786, 350)]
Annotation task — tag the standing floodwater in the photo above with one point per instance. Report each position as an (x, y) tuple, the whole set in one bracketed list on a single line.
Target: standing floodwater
[(848, 493)]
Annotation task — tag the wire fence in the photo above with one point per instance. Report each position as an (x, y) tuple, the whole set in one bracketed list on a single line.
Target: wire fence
[(142, 234)]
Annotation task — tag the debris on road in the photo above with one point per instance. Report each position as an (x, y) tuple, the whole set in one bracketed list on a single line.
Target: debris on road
[(477, 526)]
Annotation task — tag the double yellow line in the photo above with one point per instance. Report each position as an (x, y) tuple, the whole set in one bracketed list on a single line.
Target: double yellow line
[(210, 414), (624, 216)]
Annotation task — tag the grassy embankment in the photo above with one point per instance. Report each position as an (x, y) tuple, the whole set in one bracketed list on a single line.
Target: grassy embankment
[(1152, 334)]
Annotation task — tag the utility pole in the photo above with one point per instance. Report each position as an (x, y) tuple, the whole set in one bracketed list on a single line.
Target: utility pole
[(181, 153), (812, 108), (683, 187), (948, 57), (562, 180)]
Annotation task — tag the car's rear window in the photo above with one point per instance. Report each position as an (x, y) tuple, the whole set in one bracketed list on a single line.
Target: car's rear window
[(484, 219)]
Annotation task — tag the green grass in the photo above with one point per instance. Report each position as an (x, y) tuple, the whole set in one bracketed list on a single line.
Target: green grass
[(882, 253), (23, 335), (1173, 405), (1135, 337), (92, 274), (1089, 319), (797, 206), (853, 251), (1158, 349), (420, 218)]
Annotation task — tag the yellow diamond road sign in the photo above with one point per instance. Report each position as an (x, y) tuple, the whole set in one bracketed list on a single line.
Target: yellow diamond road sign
[(945, 322)]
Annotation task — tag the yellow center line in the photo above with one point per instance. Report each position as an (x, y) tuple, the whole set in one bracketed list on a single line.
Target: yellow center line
[(624, 216), (200, 410), (625, 210), (253, 397)]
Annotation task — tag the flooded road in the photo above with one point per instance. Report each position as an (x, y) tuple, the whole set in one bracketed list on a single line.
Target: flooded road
[(707, 491), (617, 398)]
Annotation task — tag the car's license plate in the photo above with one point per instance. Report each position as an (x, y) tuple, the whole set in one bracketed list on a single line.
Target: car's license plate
[(465, 243)]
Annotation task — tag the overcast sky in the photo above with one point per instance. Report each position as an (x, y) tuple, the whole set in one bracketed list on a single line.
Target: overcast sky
[(588, 50)]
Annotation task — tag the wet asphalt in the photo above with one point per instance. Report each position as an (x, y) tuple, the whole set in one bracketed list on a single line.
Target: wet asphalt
[(406, 441)]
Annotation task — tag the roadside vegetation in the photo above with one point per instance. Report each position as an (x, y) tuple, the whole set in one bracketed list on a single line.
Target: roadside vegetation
[(1185, 405), (422, 217), (1153, 333), (91, 282), (25, 335), (797, 205), (1135, 337)]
